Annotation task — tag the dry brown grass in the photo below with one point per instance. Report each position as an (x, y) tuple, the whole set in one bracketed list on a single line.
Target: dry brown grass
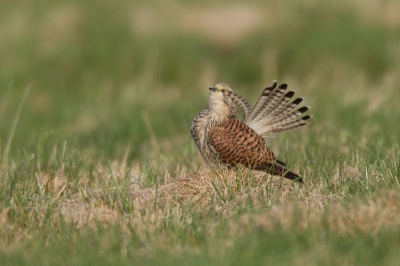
[(223, 190), (277, 203), (117, 196)]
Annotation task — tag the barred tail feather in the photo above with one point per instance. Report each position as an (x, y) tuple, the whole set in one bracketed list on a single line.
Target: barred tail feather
[(269, 132), (293, 119), (282, 104), (274, 113), (287, 109), (303, 121), (290, 116), (261, 102), (271, 103)]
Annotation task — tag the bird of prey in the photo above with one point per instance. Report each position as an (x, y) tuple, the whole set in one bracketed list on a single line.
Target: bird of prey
[(223, 139)]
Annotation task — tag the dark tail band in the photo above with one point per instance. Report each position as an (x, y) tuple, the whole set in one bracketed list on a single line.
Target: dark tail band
[(277, 169)]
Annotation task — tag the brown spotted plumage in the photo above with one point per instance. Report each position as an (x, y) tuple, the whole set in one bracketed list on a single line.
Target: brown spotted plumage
[(204, 119), (223, 139), (238, 143)]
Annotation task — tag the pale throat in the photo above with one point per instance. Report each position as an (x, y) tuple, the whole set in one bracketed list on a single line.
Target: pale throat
[(220, 111)]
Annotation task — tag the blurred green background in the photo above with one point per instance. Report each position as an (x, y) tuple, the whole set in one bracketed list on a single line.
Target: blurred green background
[(114, 86), (105, 75)]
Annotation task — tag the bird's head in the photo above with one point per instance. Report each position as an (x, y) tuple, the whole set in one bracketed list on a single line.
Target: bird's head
[(219, 100), (220, 87)]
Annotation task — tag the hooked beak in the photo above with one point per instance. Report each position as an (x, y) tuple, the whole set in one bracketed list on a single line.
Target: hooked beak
[(212, 89)]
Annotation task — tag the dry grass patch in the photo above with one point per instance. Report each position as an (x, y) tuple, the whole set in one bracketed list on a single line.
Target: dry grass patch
[(177, 214), (223, 191), (275, 202), (365, 217)]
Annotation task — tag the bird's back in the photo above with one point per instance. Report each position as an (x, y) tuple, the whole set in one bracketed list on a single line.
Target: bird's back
[(236, 143)]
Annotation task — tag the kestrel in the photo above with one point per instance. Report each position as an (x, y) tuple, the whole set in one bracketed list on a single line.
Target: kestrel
[(223, 139)]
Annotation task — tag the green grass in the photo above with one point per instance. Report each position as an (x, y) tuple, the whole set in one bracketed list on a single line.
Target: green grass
[(95, 160)]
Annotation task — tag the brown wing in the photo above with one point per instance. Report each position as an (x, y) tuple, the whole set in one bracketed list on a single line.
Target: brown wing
[(235, 142)]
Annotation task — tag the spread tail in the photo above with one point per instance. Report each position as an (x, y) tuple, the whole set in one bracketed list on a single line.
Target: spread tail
[(275, 112)]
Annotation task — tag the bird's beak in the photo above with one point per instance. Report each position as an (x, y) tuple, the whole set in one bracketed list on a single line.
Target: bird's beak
[(212, 89)]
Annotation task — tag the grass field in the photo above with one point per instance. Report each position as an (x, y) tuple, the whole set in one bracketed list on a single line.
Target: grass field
[(98, 166)]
